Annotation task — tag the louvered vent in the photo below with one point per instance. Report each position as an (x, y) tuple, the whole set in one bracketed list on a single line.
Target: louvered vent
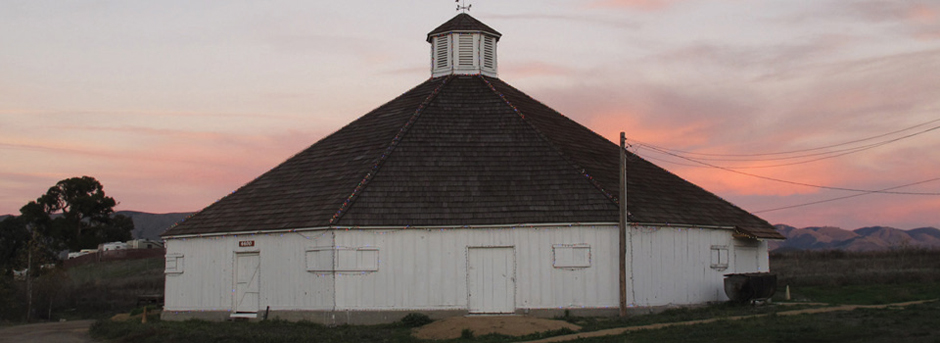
[(441, 51), (465, 50), (489, 52)]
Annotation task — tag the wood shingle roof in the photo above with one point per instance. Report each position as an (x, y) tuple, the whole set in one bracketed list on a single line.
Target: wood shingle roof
[(463, 23), (463, 150)]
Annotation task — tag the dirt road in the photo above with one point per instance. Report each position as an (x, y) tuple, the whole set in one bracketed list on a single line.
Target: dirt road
[(64, 332)]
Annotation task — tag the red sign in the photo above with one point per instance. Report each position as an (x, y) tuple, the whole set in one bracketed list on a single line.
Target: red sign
[(246, 244)]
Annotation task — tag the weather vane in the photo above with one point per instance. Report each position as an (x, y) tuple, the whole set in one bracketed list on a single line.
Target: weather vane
[(463, 8)]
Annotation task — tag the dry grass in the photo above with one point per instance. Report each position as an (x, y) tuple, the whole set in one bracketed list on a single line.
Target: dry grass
[(842, 268)]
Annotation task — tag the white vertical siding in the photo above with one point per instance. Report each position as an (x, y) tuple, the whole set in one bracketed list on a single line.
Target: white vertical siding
[(206, 282), (426, 269), (672, 266)]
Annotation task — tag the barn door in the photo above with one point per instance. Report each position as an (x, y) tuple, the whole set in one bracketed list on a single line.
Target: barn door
[(745, 259), (247, 282), (491, 280)]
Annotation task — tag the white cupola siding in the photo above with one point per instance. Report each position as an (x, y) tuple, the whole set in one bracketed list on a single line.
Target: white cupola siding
[(463, 53), (463, 46)]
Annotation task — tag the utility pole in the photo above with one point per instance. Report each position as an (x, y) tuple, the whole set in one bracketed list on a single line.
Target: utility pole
[(623, 224)]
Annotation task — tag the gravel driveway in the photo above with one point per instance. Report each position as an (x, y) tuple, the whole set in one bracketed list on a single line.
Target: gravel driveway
[(64, 332)]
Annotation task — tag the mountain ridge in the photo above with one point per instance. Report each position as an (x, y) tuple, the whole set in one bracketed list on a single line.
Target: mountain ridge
[(869, 238)]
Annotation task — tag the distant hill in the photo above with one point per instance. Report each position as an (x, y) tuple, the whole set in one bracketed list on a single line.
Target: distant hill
[(151, 225), (870, 238)]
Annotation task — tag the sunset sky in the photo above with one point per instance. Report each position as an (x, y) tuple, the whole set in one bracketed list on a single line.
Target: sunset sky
[(174, 104)]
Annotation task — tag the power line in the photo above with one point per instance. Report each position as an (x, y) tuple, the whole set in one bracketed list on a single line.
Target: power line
[(804, 150), (792, 182), (838, 153), (843, 197)]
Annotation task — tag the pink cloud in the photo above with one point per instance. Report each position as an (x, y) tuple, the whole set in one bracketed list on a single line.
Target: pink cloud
[(536, 68), (922, 13), (643, 5), (162, 170), (919, 19)]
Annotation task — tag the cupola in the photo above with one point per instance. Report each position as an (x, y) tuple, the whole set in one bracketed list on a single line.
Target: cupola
[(463, 46)]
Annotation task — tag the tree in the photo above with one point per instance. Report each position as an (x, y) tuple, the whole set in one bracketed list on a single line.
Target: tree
[(76, 214), (13, 239)]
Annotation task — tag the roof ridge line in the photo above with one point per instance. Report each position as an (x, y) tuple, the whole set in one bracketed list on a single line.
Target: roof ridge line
[(388, 151), (542, 136)]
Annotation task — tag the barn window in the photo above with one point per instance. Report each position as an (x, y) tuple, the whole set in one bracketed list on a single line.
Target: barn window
[(174, 264), (719, 257), (319, 259), (571, 255), (357, 259), (330, 259)]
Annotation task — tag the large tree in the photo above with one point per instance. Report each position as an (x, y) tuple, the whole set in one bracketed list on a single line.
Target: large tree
[(13, 240), (76, 214)]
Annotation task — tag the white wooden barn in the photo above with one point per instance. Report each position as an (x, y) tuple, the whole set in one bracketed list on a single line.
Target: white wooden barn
[(463, 195)]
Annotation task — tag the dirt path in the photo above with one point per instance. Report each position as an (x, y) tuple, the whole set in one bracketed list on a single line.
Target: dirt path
[(617, 331), (64, 332), (450, 328)]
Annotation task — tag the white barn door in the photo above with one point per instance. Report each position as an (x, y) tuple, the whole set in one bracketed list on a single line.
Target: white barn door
[(491, 280), (745, 259), (247, 282)]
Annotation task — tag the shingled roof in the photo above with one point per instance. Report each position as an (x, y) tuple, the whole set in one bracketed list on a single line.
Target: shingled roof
[(463, 150), (463, 23)]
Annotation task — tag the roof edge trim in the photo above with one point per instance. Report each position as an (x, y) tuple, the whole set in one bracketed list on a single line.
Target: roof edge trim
[(395, 227), (388, 151), (444, 33), (245, 233)]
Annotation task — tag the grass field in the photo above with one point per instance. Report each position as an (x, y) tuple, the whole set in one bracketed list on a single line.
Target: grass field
[(828, 277), (102, 289), (917, 323)]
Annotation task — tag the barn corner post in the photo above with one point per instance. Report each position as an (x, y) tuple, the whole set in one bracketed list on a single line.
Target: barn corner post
[(623, 225)]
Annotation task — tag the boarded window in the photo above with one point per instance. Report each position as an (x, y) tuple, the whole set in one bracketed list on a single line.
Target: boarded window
[(174, 264), (719, 257), (319, 259), (571, 256), (357, 259), (342, 259)]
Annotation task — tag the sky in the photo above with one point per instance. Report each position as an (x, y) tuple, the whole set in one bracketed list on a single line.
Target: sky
[(175, 104)]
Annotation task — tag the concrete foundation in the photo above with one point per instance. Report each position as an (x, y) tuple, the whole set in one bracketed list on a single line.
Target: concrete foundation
[(390, 316)]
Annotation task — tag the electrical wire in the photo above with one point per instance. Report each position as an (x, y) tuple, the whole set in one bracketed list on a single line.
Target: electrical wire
[(887, 191), (843, 197), (838, 153), (801, 150)]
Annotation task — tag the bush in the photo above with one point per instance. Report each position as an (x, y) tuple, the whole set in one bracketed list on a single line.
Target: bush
[(414, 320), (466, 334)]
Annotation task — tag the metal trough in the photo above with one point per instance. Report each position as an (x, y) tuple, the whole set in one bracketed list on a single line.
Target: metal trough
[(746, 287)]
